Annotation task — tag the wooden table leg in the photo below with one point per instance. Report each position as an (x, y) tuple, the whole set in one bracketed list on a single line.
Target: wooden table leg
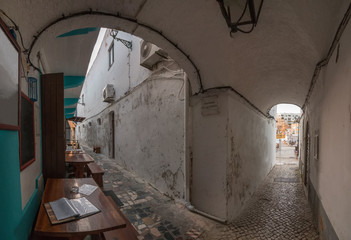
[(77, 238), (79, 170)]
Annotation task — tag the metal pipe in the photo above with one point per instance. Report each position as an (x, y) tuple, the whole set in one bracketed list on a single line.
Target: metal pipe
[(193, 209)]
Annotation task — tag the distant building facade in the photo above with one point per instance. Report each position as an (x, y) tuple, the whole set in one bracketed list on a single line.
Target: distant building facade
[(290, 118), (288, 127)]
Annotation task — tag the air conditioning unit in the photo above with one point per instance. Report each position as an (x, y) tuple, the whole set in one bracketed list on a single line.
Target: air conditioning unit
[(108, 93), (150, 54)]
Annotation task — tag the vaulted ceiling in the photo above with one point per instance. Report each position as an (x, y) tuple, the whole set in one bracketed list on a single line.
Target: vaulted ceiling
[(272, 64)]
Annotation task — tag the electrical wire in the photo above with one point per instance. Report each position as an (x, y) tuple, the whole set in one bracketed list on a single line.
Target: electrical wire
[(16, 28)]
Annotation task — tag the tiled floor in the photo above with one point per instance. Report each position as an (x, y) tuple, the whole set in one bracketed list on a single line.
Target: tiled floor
[(154, 215), (278, 210)]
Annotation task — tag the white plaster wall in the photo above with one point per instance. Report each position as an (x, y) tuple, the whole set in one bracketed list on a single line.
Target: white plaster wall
[(149, 133), (125, 73), (251, 152), (149, 111), (29, 174), (233, 151), (329, 112), (209, 154)]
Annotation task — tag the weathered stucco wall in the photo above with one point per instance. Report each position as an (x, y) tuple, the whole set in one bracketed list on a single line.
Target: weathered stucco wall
[(149, 133), (233, 150), (148, 116), (251, 152), (329, 116), (124, 74), (209, 154)]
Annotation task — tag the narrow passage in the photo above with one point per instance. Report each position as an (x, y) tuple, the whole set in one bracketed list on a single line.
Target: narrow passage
[(154, 215), (278, 210)]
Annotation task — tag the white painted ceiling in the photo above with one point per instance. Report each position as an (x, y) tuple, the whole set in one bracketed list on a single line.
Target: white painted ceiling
[(273, 64)]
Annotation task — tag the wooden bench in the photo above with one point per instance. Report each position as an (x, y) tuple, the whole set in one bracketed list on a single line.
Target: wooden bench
[(96, 172), (96, 149), (127, 233)]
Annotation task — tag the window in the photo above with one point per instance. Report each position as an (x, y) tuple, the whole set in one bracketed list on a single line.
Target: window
[(27, 141), (9, 82), (111, 55), (99, 121)]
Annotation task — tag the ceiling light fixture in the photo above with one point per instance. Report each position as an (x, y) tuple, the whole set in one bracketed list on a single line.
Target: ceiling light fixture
[(250, 18)]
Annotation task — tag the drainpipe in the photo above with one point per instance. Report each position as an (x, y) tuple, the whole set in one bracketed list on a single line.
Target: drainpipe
[(193, 209), (188, 165)]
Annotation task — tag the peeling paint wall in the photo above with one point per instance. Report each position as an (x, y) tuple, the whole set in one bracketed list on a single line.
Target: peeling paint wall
[(329, 116), (149, 112), (149, 134), (233, 151)]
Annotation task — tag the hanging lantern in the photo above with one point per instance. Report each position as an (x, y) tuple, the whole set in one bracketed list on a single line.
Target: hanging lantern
[(32, 88)]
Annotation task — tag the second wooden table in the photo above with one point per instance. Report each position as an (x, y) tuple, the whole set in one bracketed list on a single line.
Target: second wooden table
[(79, 161)]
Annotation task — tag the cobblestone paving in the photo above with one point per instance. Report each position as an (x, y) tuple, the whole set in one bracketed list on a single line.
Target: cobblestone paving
[(278, 210), (153, 215)]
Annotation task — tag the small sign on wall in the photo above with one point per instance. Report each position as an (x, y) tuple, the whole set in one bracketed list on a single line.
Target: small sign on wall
[(209, 105)]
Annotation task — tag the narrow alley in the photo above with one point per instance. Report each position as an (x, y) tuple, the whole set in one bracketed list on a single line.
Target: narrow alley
[(154, 215), (278, 210)]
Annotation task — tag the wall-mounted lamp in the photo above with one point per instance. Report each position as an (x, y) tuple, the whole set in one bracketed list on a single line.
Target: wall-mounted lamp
[(32, 89), (126, 43)]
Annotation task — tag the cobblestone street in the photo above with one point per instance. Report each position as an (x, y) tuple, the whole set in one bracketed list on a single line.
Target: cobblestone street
[(278, 210), (154, 215)]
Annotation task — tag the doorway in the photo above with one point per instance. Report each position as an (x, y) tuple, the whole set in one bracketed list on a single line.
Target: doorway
[(111, 143), (307, 155)]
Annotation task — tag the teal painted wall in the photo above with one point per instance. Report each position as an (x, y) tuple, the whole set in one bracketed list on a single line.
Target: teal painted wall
[(70, 101), (79, 31), (73, 81), (15, 223)]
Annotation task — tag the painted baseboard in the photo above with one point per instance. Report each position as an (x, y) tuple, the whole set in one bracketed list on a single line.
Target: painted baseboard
[(325, 228)]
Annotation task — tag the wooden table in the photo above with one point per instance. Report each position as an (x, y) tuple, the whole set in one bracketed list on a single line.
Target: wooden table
[(74, 151), (79, 161), (107, 219)]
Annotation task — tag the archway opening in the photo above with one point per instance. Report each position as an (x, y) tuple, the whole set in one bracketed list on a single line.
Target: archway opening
[(287, 133)]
